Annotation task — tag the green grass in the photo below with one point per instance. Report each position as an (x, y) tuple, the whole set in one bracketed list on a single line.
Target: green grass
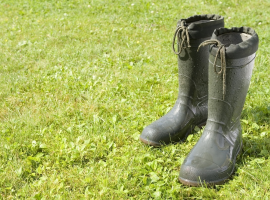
[(79, 80)]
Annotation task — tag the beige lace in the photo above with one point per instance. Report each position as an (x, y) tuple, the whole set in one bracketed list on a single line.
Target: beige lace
[(182, 36), (221, 53)]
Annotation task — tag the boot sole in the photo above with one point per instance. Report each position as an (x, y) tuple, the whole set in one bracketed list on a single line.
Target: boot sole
[(211, 183), (157, 144)]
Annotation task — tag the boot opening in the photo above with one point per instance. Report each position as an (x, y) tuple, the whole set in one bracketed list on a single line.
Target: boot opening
[(233, 38), (200, 21)]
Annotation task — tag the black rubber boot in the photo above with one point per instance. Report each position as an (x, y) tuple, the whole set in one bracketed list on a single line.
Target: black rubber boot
[(190, 109), (231, 60)]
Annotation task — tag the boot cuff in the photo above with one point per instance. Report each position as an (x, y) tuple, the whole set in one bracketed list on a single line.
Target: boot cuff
[(202, 26), (245, 46)]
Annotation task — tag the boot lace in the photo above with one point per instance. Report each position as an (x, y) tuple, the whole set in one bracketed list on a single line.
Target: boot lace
[(182, 36), (221, 53)]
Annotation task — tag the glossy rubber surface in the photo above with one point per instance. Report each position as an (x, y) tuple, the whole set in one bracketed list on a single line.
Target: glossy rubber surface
[(212, 160), (190, 109)]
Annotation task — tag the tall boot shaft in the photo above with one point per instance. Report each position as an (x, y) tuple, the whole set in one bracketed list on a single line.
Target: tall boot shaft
[(230, 90), (193, 64), (228, 87)]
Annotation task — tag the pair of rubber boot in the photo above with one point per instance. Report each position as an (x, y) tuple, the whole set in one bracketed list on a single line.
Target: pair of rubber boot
[(214, 76)]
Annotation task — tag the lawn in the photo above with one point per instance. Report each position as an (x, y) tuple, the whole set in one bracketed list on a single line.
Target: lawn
[(79, 80)]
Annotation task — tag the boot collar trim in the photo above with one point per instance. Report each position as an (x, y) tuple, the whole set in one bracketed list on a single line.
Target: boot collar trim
[(240, 50)]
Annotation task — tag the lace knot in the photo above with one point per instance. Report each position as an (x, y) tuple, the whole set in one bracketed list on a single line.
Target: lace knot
[(181, 33), (221, 54)]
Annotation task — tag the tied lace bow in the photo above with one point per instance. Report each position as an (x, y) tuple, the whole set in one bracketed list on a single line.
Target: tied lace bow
[(221, 53), (182, 36)]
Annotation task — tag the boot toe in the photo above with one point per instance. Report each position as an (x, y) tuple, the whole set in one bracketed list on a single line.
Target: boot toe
[(151, 136), (199, 171)]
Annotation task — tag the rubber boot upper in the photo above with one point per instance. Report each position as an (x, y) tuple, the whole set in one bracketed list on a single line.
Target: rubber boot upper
[(190, 109), (212, 160)]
